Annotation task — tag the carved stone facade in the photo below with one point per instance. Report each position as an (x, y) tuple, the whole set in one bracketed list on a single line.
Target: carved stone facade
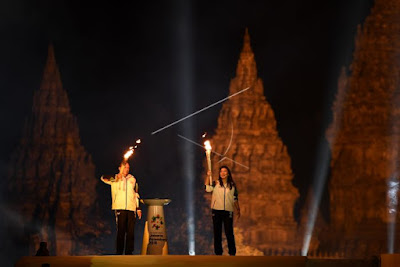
[(248, 143), (52, 184), (364, 138)]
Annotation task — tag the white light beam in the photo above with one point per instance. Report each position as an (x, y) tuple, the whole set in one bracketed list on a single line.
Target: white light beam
[(197, 112)]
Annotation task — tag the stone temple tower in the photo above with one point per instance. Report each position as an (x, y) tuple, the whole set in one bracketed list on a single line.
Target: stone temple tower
[(364, 138), (248, 143), (52, 178)]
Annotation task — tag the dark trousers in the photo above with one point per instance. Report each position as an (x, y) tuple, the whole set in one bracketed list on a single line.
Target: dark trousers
[(223, 217), (125, 220)]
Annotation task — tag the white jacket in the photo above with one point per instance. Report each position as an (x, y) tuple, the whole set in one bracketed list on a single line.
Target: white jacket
[(124, 193), (223, 197)]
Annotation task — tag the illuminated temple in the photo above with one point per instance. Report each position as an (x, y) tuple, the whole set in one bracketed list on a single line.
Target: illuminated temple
[(250, 146), (52, 180), (364, 138)]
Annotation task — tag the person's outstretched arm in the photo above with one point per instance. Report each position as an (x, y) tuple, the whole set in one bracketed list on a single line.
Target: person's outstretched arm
[(209, 187), (105, 179)]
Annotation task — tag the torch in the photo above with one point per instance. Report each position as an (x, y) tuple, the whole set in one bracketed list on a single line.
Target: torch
[(208, 155)]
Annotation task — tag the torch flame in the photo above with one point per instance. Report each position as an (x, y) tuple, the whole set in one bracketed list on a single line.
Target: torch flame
[(204, 135), (128, 153), (131, 150), (207, 145)]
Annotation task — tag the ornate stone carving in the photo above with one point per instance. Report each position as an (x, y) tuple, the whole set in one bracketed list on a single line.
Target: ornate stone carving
[(247, 138), (52, 178), (364, 138)]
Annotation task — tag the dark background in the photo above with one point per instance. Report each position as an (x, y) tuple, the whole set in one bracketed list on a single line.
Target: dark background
[(120, 65)]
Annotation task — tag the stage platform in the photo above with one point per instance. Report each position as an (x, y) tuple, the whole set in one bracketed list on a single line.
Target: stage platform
[(212, 261), (170, 261)]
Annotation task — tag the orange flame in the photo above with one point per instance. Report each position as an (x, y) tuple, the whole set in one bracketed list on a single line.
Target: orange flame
[(128, 153), (131, 150)]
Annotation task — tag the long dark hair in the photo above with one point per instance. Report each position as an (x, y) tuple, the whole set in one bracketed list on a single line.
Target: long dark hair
[(230, 181)]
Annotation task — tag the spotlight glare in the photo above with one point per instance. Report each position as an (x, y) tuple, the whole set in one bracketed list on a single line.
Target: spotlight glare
[(393, 188), (185, 57)]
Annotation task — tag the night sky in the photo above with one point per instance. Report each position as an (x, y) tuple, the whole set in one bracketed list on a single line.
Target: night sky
[(119, 64)]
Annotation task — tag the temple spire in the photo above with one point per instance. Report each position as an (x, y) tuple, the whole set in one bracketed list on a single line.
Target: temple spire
[(246, 72), (51, 93), (246, 42), (246, 69), (51, 74)]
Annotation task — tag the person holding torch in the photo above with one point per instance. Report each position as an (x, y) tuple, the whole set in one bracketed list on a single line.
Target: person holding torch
[(125, 203), (223, 202)]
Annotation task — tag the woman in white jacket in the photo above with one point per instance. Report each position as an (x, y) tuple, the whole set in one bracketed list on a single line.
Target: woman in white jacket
[(125, 203), (224, 201)]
